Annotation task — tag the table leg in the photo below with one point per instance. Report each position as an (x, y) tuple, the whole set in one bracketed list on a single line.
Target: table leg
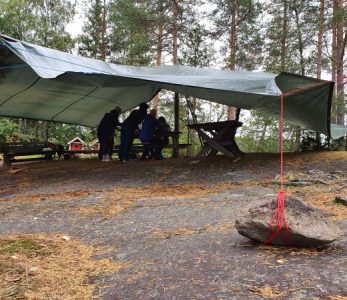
[(213, 144)]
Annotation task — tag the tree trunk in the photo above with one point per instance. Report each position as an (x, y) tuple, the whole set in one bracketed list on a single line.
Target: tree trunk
[(262, 137), (103, 32), (320, 39), (333, 66), (159, 46), (319, 51), (284, 36), (340, 95), (302, 61), (297, 138), (232, 58), (301, 46), (340, 114), (175, 60), (174, 31)]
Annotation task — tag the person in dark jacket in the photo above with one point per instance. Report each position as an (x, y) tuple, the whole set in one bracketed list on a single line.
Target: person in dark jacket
[(162, 134), (106, 132), (129, 127), (163, 130), (147, 134)]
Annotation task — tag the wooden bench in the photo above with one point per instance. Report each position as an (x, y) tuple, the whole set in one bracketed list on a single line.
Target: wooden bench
[(139, 148), (10, 151)]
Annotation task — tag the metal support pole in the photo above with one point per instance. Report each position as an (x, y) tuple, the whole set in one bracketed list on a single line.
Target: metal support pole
[(175, 139)]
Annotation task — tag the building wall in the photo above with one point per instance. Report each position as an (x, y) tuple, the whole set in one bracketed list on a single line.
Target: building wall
[(75, 146)]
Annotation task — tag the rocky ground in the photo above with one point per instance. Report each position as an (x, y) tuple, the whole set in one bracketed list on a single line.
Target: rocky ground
[(172, 223)]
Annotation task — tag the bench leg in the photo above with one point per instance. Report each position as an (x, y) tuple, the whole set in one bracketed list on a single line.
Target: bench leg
[(6, 160)]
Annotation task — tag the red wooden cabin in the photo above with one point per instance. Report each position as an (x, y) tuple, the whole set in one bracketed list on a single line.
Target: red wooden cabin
[(76, 144)]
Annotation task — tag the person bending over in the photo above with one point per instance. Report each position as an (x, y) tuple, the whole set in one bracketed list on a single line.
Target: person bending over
[(129, 127), (106, 132)]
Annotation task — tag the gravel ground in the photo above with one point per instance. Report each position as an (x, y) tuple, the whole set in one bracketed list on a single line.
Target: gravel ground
[(179, 246)]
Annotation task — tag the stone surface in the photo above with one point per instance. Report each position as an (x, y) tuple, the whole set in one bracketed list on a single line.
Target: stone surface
[(308, 226)]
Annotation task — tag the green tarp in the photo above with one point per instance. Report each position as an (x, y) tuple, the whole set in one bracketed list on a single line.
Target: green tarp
[(46, 84)]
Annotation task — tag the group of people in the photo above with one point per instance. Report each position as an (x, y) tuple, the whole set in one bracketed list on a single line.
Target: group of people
[(153, 133)]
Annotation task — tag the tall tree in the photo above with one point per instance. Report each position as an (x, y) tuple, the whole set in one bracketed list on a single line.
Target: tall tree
[(340, 50), (284, 35), (93, 42), (160, 24), (232, 59), (297, 21), (321, 27), (237, 23), (174, 31), (131, 34), (340, 45)]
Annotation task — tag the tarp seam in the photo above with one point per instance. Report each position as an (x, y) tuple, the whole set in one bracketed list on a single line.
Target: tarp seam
[(78, 100), (27, 88)]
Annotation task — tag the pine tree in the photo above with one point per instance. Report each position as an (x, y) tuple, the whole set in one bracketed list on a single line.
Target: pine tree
[(297, 20), (338, 20), (237, 23), (132, 40), (339, 43), (93, 42)]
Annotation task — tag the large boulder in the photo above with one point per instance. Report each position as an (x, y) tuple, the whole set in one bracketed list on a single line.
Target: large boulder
[(308, 226)]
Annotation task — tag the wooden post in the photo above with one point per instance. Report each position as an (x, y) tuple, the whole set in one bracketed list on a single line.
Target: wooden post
[(175, 139)]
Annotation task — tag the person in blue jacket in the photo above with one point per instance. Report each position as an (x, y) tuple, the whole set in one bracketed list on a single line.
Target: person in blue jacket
[(150, 127), (129, 127)]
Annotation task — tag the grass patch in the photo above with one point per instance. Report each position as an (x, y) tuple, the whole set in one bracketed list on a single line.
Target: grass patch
[(49, 267), (26, 246), (29, 156)]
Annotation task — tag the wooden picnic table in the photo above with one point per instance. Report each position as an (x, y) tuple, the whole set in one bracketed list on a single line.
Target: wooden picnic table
[(218, 137), (12, 150)]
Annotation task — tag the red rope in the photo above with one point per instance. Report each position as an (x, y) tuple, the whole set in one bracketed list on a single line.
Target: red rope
[(278, 223), (278, 220)]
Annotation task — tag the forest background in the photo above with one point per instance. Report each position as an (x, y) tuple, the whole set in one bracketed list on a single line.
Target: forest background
[(306, 37)]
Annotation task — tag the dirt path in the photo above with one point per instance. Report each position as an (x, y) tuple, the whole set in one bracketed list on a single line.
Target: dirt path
[(173, 223)]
